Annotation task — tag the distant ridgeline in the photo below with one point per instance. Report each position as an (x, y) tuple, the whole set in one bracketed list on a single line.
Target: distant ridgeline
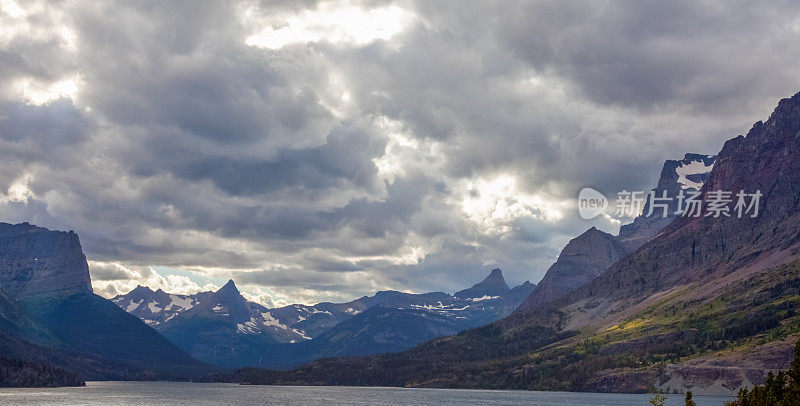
[(55, 331), (223, 328), (707, 304)]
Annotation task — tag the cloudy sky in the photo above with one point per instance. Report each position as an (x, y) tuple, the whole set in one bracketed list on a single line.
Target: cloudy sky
[(322, 150)]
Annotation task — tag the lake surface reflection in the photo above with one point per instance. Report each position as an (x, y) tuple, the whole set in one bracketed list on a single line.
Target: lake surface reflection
[(181, 393)]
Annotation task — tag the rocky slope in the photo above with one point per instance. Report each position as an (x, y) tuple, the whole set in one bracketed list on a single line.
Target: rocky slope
[(695, 259), (680, 311), (225, 329), (583, 259)]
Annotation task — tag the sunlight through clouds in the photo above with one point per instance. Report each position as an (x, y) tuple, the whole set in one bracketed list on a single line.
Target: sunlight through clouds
[(496, 203), (18, 192), (29, 25), (36, 20), (38, 93), (336, 22), (12, 9), (402, 150)]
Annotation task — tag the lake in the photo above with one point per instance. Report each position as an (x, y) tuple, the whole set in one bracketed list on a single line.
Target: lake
[(197, 394)]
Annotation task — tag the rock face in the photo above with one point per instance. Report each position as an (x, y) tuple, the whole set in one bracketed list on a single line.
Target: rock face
[(49, 313), (687, 175), (37, 262), (767, 160), (493, 285), (583, 259)]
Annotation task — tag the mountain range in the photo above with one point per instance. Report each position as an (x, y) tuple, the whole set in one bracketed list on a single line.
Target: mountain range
[(223, 328), (706, 303)]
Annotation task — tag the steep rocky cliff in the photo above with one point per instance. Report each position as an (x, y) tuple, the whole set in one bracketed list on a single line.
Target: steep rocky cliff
[(584, 257), (37, 262), (766, 161)]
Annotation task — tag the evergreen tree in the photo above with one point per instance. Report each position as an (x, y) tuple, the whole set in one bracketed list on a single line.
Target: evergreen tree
[(782, 389), (689, 401), (658, 400)]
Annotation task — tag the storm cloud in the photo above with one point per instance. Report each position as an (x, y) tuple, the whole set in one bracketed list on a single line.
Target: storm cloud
[(322, 150)]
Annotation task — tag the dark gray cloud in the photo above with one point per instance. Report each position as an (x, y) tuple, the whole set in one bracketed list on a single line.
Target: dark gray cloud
[(330, 164)]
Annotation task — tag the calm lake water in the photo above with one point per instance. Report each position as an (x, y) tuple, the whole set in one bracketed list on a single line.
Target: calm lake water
[(195, 394)]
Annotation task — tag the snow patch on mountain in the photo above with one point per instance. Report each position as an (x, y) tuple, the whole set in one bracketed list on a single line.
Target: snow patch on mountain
[(153, 306), (482, 298), (268, 320), (440, 307), (133, 305), (249, 327), (182, 303), (302, 334), (687, 170)]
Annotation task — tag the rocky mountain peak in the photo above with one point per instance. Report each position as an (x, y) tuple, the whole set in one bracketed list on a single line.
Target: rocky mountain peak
[(229, 288), (591, 253), (688, 173), (582, 259), (230, 297), (524, 284), (492, 285), (142, 289), (141, 292), (593, 243), (7, 229), (37, 262)]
